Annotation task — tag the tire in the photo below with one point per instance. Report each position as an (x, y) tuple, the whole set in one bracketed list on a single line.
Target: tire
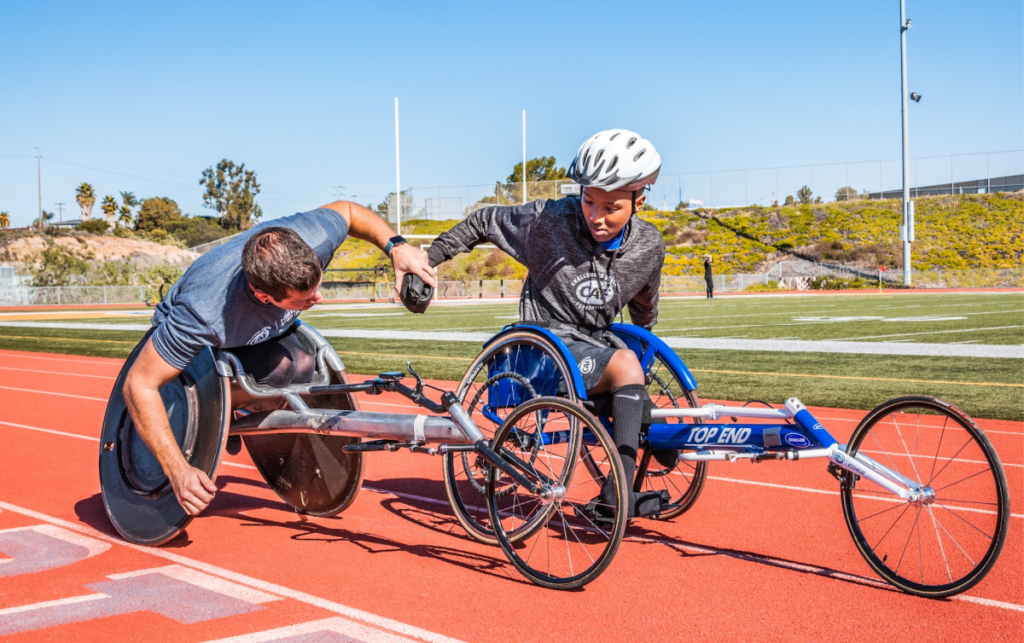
[(684, 480), (942, 547), (572, 538), (464, 473)]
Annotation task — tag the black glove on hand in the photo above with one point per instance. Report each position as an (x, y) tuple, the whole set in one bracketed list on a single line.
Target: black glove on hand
[(415, 294)]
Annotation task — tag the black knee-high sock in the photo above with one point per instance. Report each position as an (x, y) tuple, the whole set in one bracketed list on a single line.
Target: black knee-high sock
[(627, 411)]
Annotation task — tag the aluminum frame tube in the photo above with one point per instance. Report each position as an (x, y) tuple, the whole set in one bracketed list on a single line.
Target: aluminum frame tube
[(356, 424)]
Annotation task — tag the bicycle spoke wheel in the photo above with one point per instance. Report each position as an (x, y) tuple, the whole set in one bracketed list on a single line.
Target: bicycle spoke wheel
[(682, 480), (571, 536), (946, 542), (519, 366)]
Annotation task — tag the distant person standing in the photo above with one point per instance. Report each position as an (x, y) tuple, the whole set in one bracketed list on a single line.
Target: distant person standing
[(709, 278)]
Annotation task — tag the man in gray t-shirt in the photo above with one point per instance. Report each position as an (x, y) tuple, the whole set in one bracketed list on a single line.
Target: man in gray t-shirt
[(245, 295)]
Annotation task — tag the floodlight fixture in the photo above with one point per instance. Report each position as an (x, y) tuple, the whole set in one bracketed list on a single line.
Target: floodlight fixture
[(914, 96)]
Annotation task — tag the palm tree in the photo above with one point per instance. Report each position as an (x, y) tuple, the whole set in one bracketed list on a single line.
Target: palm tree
[(86, 197), (128, 201), (126, 217), (5, 220), (109, 207)]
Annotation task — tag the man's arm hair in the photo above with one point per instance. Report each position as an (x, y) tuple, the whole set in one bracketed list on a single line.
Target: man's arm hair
[(508, 227), (363, 224), (142, 395), (366, 225)]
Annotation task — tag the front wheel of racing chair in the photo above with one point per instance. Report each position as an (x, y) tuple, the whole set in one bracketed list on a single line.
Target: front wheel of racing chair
[(516, 365)]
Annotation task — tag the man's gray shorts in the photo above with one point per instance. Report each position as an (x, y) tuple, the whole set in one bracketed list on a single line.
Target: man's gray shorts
[(591, 360)]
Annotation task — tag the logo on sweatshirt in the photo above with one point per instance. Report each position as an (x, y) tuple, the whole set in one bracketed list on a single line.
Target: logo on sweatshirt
[(592, 290), (260, 336)]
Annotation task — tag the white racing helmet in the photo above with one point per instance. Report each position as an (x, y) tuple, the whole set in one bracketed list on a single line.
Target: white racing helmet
[(616, 159)]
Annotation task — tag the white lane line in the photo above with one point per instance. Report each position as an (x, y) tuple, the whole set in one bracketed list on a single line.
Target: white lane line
[(775, 485), (241, 579), (29, 370), (32, 390), (61, 359), (41, 430), (325, 604)]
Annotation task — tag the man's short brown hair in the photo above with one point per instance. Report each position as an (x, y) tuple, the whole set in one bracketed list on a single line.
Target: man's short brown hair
[(277, 260)]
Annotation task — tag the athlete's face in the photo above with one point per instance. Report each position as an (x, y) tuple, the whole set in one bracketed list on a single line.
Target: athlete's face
[(607, 212), (295, 300)]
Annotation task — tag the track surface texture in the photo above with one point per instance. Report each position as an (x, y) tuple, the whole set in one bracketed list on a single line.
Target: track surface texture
[(763, 555)]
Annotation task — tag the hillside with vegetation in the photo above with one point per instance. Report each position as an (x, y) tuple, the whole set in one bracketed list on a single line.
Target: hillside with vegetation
[(952, 232)]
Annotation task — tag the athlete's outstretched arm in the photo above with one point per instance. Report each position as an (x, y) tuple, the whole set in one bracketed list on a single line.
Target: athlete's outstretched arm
[(508, 227), (192, 486), (366, 225)]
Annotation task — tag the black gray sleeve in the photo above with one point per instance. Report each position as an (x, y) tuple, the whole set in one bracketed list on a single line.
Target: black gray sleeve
[(643, 309), (507, 227)]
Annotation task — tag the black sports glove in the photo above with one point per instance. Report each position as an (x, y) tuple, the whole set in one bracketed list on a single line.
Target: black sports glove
[(415, 294)]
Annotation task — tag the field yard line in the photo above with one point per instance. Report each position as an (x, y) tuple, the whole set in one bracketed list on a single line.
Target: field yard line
[(853, 377), (32, 390), (242, 579), (1012, 351), (932, 332)]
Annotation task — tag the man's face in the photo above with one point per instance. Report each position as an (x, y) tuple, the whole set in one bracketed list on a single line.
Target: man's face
[(607, 212), (295, 300)]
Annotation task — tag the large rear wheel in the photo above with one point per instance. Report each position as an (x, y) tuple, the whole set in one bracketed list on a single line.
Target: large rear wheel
[(946, 542)]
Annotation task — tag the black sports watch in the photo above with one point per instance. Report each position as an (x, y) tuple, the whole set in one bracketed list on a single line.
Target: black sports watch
[(396, 240)]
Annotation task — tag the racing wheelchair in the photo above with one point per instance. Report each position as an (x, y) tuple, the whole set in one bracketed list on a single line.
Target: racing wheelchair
[(308, 441), (932, 521)]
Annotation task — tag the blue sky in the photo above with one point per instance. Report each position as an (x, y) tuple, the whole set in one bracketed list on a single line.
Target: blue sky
[(144, 96)]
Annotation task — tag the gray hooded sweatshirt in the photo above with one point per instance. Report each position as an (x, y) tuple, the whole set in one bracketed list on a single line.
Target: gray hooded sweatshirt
[(573, 282)]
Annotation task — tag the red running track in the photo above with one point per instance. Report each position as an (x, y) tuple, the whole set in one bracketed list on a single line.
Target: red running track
[(763, 555)]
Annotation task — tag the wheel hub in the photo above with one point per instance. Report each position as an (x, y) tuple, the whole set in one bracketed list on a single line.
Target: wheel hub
[(925, 496), (550, 493)]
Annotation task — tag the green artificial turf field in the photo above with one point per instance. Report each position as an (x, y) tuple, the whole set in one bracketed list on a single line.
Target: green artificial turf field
[(985, 387)]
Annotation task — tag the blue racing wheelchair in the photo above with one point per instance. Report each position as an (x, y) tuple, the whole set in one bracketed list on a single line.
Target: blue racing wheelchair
[(932, 522)]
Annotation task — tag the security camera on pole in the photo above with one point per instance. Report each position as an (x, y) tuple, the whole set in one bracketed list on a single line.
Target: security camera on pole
[(907, 229)]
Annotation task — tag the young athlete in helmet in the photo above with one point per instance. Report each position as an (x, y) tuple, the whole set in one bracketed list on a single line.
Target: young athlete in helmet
[(588, 258)]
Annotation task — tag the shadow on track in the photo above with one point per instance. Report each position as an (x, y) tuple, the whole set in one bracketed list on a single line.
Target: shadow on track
[(637, 532)]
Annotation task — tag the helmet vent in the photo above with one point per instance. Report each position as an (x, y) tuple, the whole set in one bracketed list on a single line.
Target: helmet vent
[(641, 153)]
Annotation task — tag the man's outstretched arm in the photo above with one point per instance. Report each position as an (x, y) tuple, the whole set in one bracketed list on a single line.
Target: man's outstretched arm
[(192, 486), (366, 225)]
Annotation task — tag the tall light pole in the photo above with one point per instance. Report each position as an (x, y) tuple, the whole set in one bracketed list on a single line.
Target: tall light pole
[(398, 177), (524, 156), (39, 183), (907, 229)]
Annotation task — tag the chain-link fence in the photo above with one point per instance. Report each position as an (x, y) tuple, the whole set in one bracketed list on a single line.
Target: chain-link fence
[(22, 295), (796, 276), (929, 176)]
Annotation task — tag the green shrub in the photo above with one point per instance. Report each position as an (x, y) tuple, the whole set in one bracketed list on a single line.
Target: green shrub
[(766, 287), (94, 226)]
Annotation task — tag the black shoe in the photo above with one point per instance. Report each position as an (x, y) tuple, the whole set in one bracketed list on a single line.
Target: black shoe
[(234, 444), (667, 458), (648, 503)]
